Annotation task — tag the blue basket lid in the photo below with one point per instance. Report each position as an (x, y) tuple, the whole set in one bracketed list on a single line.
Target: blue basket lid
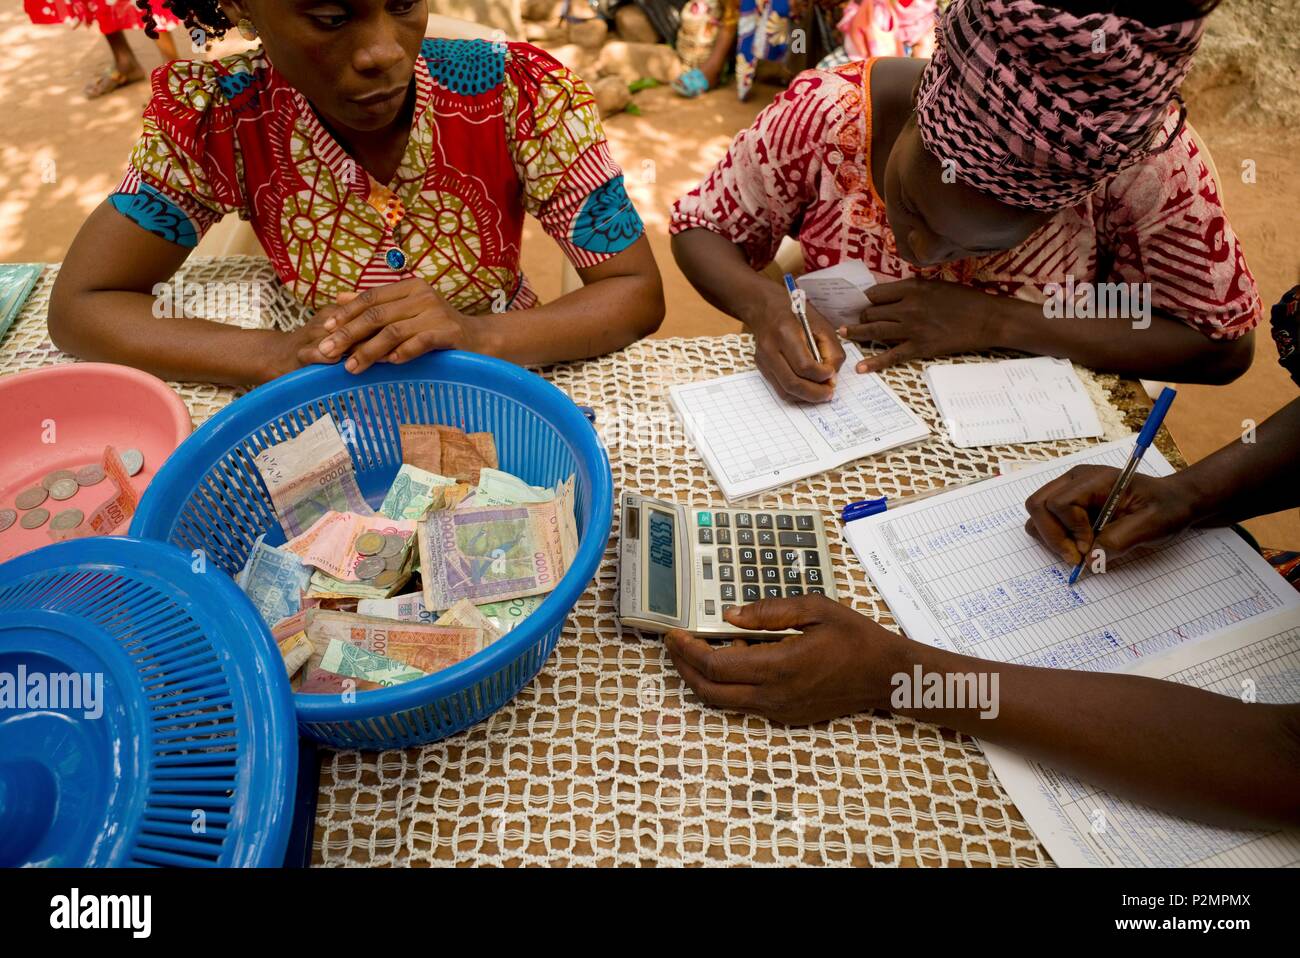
[(145, 715)]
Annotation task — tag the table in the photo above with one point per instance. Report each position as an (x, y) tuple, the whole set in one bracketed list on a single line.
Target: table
[(606, 758)]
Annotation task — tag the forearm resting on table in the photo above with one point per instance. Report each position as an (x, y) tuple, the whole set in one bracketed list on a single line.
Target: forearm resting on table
[(102, 308), (1207, 756), (1249, 478), (120, 327), (1167, 349)]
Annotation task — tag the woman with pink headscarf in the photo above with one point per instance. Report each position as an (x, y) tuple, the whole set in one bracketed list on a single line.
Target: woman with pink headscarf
[(1039, 144), (1042, 149)]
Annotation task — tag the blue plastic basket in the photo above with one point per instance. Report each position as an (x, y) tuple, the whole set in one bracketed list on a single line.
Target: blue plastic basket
[(185, 756), (209, 496)]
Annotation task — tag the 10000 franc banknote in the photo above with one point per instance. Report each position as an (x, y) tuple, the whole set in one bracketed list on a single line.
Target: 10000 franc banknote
[(493, 553), (310, 475)]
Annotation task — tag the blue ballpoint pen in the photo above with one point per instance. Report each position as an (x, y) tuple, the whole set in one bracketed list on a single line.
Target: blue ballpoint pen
[(797, 305), (1148, 433)]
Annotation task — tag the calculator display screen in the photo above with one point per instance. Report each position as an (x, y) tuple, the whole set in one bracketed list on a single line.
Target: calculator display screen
[(661, 576)]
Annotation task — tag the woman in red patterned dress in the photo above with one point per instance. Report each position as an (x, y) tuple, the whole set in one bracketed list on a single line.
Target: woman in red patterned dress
[(1031, 156), (386, 176), (113, 17)]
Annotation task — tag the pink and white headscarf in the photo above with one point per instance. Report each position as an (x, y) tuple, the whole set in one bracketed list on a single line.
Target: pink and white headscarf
[(1038, 107)]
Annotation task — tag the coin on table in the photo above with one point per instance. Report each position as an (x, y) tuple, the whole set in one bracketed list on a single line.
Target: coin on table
[(34, 519), (64, 488), (7, 518), (31, 498), (370, 567), (394, 545), (385, 579), (58, 475), (369, 543), (90, 475), (132, 459), (67, 519)]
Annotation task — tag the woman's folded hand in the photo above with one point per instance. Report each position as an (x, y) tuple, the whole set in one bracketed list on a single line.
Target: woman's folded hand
[(394, 324)]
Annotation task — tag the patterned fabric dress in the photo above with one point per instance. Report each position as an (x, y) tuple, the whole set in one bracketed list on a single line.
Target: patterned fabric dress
[(803, 169), (498, 130), (109, 15)]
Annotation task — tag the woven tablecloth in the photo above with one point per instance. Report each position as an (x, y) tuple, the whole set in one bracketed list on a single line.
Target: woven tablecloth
[(607, 757)]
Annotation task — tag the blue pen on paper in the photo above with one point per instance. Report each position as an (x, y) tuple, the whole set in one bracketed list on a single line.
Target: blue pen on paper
[(1148, 433), (871, 507), (864, 508), (798, 304)]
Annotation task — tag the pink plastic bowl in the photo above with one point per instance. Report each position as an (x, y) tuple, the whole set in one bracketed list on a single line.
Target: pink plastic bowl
[(83, 407)]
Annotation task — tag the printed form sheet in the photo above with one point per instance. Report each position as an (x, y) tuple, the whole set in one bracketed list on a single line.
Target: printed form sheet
[(1084, 826), (1015, 400), (959, 571), (752, 440)]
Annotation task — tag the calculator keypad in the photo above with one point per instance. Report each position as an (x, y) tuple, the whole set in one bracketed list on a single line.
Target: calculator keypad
[(777, 554)]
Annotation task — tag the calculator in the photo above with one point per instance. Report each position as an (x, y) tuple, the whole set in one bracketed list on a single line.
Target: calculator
[(681, 567)]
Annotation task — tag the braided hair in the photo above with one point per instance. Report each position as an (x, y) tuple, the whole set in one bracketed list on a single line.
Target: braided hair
[(203, 15)]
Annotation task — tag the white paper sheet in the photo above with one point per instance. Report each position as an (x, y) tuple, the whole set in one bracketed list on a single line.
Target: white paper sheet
[(1016, 400), (959, 571), (753, 441), (1081, 825), (839, 292)]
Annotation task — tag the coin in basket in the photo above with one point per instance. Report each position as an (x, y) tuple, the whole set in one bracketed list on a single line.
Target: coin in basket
[(7, 518), (394, 545), (34, 519), (67, 519), (370, 567), (385, 579), (394, 563), (64, 489), (31, 498), (132, 459), (369, 543), (90, 475), (57, 476)]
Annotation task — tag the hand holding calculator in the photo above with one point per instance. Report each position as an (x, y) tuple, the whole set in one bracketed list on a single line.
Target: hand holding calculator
[(682, 567)]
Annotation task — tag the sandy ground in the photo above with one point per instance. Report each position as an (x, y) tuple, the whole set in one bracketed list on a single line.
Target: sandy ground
[(60, 154)]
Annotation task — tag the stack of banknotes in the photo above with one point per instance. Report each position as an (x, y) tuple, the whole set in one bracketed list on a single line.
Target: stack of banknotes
[(458, 554)]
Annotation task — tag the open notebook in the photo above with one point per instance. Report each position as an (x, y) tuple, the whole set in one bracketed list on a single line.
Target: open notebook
[(752, 440)]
